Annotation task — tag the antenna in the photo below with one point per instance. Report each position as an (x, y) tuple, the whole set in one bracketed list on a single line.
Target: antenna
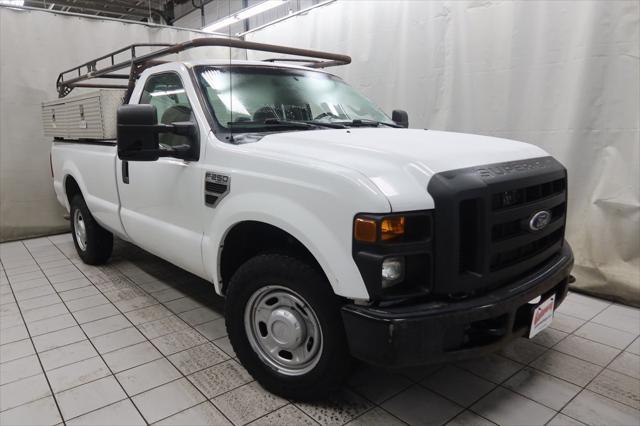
[(230, 84)]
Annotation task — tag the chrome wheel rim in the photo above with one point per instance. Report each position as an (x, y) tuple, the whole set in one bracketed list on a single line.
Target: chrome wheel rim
[(283, 330), (80, 229)]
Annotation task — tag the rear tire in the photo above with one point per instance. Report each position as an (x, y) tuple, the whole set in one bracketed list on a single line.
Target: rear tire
[(284, 324), (94, 244)]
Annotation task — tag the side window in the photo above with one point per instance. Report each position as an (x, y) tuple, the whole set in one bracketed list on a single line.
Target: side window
[(166, 92)]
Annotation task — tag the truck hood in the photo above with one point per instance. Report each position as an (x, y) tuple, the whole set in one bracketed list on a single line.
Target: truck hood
[(399, 162)]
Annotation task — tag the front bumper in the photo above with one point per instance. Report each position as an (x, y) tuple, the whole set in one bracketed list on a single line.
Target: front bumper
[(445, 331)]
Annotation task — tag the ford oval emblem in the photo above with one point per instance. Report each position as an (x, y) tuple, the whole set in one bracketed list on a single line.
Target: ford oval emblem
[(539, 220)]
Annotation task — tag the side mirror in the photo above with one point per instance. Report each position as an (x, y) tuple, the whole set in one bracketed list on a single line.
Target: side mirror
[(400, 117), (137, 135), (138, 131)]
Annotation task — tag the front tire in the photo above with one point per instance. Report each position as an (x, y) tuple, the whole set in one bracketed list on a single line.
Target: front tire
[(94, 244), (284, 323)]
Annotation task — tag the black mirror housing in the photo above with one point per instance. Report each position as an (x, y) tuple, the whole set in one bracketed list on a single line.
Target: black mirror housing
[(400, 117), (137, 133)]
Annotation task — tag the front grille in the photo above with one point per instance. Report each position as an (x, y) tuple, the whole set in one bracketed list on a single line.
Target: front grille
[(483, 237)]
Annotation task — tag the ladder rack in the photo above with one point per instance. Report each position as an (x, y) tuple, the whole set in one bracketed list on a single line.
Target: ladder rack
[(78, 76)]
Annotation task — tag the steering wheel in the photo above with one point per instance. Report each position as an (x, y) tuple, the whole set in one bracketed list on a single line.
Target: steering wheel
[(325, 114)]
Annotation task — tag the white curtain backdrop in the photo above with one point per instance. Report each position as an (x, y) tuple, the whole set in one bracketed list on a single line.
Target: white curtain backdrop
[(563, 75), (34, 47)]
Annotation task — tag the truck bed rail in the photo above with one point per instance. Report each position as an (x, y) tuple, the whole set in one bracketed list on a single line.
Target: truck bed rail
[(78, 76)]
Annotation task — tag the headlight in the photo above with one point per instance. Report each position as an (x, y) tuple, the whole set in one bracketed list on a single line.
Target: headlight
[(366, 229), (392, 271)]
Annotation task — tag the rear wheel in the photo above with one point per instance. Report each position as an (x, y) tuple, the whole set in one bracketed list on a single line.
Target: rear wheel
[(94, 244), (285, 326)]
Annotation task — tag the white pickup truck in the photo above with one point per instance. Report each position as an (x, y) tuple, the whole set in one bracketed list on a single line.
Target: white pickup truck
[(332, 230)]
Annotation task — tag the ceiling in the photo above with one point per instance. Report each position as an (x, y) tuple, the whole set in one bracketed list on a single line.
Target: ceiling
[(160, 11)]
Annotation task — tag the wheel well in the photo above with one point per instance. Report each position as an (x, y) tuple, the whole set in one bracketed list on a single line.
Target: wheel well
[(71, 188), (250, 238)]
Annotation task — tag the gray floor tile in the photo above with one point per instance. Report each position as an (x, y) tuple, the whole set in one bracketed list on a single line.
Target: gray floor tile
[(26, 390), (247, 403), (167, 295), (418, 405), (96, 313), (607, 335), (627, 363), (146, 376), (203, 414), (183, 304), (564, 420), (118, 339), (21, 368), (135, 303), (121, 413), (168, 399), (566, 323), (9, 321), (523, 350), (469, 418), (77, 374), (86, 302), (58, 338), (593, 409), (376, 384), (587, 350), (566, 367), (52, 324), (79, 293), (220, 378), (45, 312), (39, 302), (198, 358), (543, 388), (66, 355), (505, 407), (148, 314), (106, 325), (225, 344), (90, 396), (458, 385), (41, 412), (199, 316), (213, 330), (374, 417), (71, 285), (617, 386), (625, 319), (178, 341), (131, 356), (492, 367), (13, 334), (16, 350), (162, 327), (292, 415), (30, 293), (634, 347)]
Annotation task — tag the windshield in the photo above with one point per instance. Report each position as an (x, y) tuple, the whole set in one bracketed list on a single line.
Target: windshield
[(246, 98)]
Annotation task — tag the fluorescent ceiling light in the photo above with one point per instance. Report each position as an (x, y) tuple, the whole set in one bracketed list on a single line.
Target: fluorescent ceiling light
[(244, 14), (12, 2)]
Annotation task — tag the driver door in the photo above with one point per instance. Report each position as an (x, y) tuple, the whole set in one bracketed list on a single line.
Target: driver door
[(161, 201)]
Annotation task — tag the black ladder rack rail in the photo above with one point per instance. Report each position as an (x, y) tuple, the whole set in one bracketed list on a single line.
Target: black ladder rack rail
[(90, 70)]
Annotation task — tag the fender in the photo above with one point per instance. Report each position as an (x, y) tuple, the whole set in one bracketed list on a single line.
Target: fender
[(330, 247)]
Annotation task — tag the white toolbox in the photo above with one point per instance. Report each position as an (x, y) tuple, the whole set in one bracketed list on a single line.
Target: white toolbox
[(88, 116)]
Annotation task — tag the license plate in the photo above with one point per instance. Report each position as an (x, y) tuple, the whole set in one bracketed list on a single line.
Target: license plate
[(542, 316)]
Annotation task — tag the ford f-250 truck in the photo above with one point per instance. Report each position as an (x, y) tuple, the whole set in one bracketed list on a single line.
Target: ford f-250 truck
[(332, 230)]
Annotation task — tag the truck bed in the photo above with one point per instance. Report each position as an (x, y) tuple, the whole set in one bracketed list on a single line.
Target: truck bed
[(95, 163)]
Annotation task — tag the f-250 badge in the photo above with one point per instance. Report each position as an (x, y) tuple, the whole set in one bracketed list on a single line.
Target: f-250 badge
[(216, 187)]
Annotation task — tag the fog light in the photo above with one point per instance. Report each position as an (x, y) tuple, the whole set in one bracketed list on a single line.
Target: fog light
[(392, 271)]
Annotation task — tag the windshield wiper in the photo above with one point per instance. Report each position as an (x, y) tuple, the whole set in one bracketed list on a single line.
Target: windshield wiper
[(363, 122), (273, 122)]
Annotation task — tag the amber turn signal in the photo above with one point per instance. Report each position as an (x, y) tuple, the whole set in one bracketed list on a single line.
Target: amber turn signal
[(392, 227), (365, 230)]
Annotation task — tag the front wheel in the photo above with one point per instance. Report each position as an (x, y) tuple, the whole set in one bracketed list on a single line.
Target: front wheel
[(285, 326)]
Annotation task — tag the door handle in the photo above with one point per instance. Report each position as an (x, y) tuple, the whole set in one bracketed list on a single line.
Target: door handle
[(125, 171)]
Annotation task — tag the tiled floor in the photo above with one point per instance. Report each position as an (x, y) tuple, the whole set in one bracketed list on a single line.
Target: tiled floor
[(140, 341)]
